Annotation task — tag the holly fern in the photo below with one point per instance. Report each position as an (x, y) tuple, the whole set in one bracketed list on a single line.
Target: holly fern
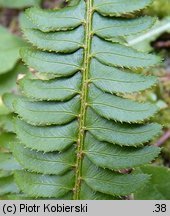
[(77, 133)]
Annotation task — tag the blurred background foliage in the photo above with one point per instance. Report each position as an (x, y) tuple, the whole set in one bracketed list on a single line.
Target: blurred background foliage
[(157, 39)]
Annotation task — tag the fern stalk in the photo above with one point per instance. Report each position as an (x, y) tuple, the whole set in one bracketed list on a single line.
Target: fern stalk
[(84, 104)]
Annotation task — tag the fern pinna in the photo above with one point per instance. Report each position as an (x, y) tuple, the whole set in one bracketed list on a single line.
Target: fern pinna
[(77, 133)]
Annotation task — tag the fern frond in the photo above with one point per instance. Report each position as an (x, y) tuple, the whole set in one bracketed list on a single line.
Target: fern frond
[(35, 112), (49, 163), (53, 41), (116, 8), (114, 157), (58, 138), (49, 63), (75, 132), (113, 80), (119, 109), (121, 134), (51, 90), (107, 28), (51, 20)]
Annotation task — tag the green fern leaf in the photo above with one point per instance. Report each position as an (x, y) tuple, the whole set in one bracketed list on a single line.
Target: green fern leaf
[(109, 28), (47, 63), (50, 20), (121, 134), (58, 41), (120, 55), (117, 8), (38, 185), (22, 196), (71, 120), (54, 41), (113, 80), (57, 137), (114, 157), (53, 90), (111, 183), (49, 163), (119, 109), (35, 113), (87, 193)]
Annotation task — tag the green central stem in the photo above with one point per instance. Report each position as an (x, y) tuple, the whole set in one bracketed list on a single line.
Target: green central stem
[(82, 117)]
